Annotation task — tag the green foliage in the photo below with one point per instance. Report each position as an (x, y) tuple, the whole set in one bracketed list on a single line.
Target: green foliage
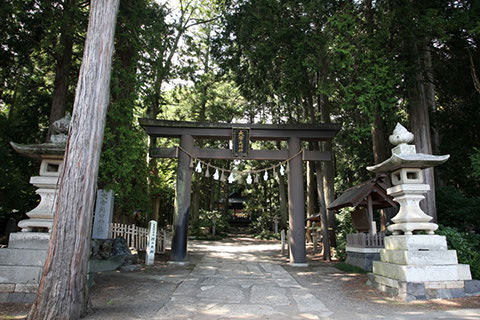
[(456, 210), (262, 222), (467, 246), (16, 194), (214, 98), (203, 227), (344, 227), (250, 61), (123, 164), (29, 48), (263, 206), (123, 169), (267, 235), (475, 158)]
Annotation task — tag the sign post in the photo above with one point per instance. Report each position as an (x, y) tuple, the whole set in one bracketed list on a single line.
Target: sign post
[(103, 214), (152, 240)]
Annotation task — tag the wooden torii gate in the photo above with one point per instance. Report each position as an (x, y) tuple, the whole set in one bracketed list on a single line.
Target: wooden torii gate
[(189, 131)]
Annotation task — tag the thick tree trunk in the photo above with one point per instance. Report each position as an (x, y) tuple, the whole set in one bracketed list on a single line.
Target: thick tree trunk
[(379, 136), (62, 69), (310, 197), (213, 196), (328, 174), (420, 125), (380, 152), (323, 213), (62, 293), (156, 208), (432, 104), (195, 201), (282, 191)]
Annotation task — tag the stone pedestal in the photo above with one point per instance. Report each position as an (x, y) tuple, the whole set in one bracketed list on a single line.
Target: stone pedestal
[(21, 266), (419, 267)]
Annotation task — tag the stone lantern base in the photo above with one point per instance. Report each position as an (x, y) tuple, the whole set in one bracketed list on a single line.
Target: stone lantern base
[(419, 267), (21, 266)]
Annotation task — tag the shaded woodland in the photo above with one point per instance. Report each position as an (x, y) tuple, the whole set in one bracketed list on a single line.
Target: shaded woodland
[(363, 64)]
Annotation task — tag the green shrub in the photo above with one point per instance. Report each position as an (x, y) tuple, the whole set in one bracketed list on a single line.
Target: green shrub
[(467, 246), (203, 227), (267, 235), (475, 158), (263, 222), (454, 209), (344, 227)]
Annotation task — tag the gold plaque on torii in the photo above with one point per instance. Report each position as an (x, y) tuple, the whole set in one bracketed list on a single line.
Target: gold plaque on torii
[(241, 142)]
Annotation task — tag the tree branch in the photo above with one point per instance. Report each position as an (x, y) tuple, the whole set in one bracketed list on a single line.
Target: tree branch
[(476, 81)]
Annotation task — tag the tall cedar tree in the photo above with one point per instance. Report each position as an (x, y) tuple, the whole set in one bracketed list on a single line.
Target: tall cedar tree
[(63, 293)]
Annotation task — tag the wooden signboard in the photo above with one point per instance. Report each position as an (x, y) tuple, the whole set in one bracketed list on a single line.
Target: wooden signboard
[(241, 142)]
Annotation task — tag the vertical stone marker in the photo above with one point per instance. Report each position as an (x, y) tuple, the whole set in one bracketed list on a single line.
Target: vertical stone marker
[(103, 214), (152, 240)]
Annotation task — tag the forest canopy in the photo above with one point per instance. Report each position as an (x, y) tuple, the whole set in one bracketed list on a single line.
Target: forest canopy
[(363, 64)]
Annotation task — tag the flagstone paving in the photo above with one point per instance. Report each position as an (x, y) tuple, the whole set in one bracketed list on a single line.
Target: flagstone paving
[(249, 279), (218, 288)]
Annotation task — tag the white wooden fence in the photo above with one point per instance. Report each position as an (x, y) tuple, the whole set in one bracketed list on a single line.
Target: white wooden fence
[(136, 237), (365, 240)]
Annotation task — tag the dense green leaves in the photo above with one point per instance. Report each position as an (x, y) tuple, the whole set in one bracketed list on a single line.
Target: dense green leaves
[(351, 62), (467, 246)]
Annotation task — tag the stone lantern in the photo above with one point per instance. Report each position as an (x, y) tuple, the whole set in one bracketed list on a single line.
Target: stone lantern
[(415, 263), (51, 156), (22, 262)]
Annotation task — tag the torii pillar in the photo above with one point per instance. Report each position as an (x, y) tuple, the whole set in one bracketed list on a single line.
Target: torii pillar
[(296, 205), (182, 201)]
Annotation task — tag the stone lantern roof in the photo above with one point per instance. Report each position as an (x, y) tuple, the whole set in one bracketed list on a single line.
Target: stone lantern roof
[(405, 155)]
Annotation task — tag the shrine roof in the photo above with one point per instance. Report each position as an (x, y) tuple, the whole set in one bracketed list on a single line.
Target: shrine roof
[(357, 196)]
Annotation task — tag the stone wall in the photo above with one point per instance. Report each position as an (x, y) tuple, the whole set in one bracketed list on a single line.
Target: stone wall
[(362, 260)]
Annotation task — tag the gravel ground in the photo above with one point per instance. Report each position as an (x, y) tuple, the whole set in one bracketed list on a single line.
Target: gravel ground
[(153, 291)]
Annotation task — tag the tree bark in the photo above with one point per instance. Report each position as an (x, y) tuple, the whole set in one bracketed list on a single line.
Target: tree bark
[(196, 201), (328, 175), (432, 104), (420, 125), (310, 198), (62, 67), (63, 293), (282, 191), (323, 212), (156, 209), (380, 149)]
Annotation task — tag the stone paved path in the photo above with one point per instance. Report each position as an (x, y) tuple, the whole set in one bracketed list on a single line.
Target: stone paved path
[(221, 288), (248, 279)]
